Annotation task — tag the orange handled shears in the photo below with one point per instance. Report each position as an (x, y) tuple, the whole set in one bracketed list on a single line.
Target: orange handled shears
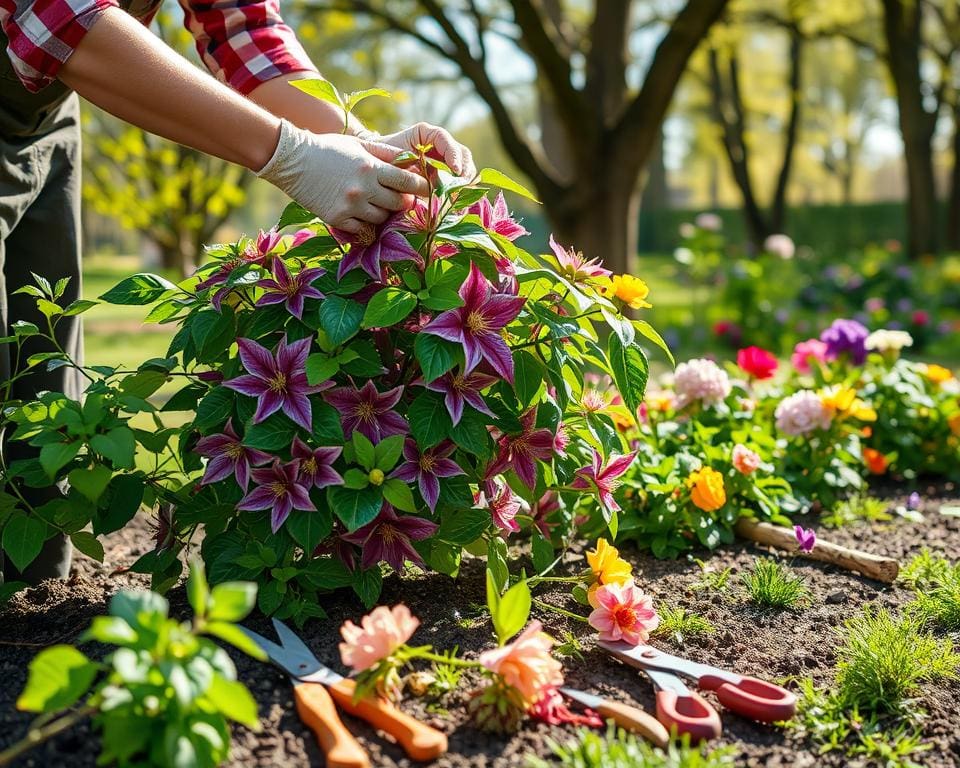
[(318, 690)]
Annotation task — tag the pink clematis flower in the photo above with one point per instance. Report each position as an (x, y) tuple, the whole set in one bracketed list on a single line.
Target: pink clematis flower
[(388, 538), (623, 612), (290, 290), (458, 389), (604, 479), (369, 248), (380, 633), (427, 468), (541, 511), (526, 663), (478, 324), (316, 464), (368, 411), (279, 382), (806, 538), (496, 217), (520, 452), (574, 266), (280, 489), (503, 503), (229, 456)]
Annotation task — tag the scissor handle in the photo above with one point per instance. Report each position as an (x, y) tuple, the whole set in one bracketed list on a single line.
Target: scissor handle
[(688, 713), (319, 713), (635, 720), (753, 698), (421, 742)]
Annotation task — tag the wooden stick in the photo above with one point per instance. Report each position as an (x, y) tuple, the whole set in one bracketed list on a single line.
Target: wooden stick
[(883, 569)]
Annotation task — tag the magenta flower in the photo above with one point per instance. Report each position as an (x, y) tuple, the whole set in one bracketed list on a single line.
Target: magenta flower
[(316, 464), (806, 538), (388, 538), (368, 411), (427, 468), (477, 324), (574, 266), (520, 452), (496, 217), (278, 382), (458, 389), (369, 248), (541, 511), (229, 456), (504, 505), (291, 290), (603, 479), (280, 489)]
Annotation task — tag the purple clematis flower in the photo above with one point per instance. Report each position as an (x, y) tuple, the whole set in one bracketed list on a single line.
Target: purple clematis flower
[(477, 324), (603, 479), (427, 468), (229, 456), (368, 411), (369, 248), (458, 389), (278, 382), (806, 538), (280, 489), (316, 464), (520, 452), (388, 538), (846, 337), (496, 217), (291, 290)]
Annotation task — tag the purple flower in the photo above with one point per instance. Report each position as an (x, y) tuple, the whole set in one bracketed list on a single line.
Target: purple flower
[(504, 505), (846, 337), (316, 464), (604, 479), (575, 266), (458, 389), (279, 488), (477, 324), (370, 247), (388, 538), (229, 456), (914, 501), (288, 289), (496, 217), (278, 382), (520, 452), (427, 468), (368, 411), (806, 538)]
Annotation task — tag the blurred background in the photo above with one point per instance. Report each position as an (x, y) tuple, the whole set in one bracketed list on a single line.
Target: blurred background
[(765, 165)]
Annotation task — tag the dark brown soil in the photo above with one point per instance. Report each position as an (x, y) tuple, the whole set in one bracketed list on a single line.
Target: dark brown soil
[(773, 645)]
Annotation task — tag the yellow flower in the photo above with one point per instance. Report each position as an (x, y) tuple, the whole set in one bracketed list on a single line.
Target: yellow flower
[(938, 374), (706, 489), (607, 566), (660, 403), (632, 291), (843, 401)]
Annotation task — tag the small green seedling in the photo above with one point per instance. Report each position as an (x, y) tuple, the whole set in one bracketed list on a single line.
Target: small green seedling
[(772, 585), (680, 626), (710, 579), (857, 509)]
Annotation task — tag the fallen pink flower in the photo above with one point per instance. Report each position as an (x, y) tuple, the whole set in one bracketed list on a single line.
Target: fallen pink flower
[(624, 613), (380, 633), (526, 663)]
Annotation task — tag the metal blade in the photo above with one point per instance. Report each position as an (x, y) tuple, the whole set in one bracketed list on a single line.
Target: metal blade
[(270, 648), (293, 656), (582, 697), (647, 657)]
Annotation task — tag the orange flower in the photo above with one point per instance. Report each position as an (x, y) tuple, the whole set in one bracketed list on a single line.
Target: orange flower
[(632, 291), (526, 663), (706, 489), (954, 421), (876, 462), (938, 374), (608, 567)]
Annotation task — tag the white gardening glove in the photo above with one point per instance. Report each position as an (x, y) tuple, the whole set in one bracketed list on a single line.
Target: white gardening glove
[(346, 181), (451, 151)]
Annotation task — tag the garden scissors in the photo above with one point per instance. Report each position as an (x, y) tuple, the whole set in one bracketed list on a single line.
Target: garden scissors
[(315, 705), (679, 706)]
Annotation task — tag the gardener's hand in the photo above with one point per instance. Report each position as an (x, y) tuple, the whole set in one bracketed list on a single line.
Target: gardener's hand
[(452, 152), (346, 181)]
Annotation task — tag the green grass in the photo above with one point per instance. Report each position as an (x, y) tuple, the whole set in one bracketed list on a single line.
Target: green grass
[(711, 579), (771, 585), (678, 624), (857, 509), (937, 584), (618, 749)]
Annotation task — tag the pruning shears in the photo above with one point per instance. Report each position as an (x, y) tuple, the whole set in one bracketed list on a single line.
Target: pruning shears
[(318, 691), (679, 707)]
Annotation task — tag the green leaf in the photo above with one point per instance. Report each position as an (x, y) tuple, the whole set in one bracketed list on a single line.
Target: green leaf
[(388, 307), (139, 289), (320, 368), (339, 317), (355, 97), (497, 562), (273, 434), (214, 409), (429, 420), (270, 597), (198, 591), (649, 332), (388, 451), (327, 429), (309, 528), (355, 478), (463, 526), (58, 677), (368, 584), (435, 355), (399, 494), (367, 361), (236, 637), (111, 630), (233, 699), (213, 332), (319, 89), (541, 551), (118, 445), (23, 328), (496, 178), (295, 213), (89, 544), (79, 306), (355, 507), (528, 375), (232, 600), (55, 456), (23, 537), (143, 383), (366, 453), (470, 433), (512, 612), (493, 592), (126, 493), (630, 370)]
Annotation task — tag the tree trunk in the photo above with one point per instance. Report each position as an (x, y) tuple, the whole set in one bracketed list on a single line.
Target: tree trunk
[(778, 208), (953, 203)]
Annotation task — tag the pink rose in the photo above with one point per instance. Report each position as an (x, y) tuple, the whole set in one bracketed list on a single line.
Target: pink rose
[(380, 633), (745, 460), (805, 351)]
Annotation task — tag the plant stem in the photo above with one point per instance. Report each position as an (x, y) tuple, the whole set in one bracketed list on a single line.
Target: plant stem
[(561, 611), (452, 661), (37, 735)]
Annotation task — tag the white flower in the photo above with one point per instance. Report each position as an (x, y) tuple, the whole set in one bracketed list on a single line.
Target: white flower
[(702, 380), (883, 340), (802, 413), (687, 230), (709, 221), (683, 255), (780, 245)]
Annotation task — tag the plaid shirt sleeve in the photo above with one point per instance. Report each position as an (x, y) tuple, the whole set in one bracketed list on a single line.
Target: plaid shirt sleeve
[(41, 35), (244, 43)]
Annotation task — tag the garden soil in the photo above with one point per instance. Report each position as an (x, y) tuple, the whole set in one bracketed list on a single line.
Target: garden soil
[(774, 645)]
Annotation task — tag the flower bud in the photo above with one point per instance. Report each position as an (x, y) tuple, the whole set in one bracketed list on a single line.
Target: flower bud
[(375, 477)]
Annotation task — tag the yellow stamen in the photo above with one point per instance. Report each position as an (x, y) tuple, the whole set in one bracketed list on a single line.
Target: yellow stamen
[(279, 383)]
